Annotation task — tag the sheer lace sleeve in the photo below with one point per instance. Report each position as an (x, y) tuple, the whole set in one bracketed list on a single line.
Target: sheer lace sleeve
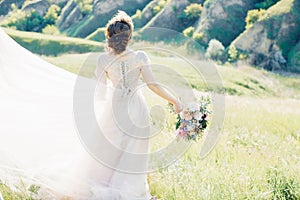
[(100, 72), (146, 68), (143, 59), (101, 78)]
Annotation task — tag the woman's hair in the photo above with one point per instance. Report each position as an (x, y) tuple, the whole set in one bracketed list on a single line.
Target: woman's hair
[(118, 32)]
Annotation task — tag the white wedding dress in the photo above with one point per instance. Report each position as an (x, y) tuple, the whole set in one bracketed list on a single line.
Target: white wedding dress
[(70, 135)]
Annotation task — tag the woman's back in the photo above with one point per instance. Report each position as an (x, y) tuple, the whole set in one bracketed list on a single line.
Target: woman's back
[(124, 70)]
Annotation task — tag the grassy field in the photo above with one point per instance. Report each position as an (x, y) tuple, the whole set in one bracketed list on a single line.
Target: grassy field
[(258, 153), (236, 81), (257, 156)]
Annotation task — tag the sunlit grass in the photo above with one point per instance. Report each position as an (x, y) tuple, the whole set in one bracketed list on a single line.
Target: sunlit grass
[(257, 157)]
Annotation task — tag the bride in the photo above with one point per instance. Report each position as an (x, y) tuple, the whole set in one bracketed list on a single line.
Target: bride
[(38, 145)]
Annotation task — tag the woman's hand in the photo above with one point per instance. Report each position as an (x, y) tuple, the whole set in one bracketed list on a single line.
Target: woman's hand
[(177, 106)]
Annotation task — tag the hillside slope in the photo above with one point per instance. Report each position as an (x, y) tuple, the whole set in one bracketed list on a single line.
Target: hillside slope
[(75, 23), (223, 20), (271, 42)]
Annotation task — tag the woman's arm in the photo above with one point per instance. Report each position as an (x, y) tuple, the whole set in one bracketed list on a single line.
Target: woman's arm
[(101, 78), (156, 88), (100, 72)]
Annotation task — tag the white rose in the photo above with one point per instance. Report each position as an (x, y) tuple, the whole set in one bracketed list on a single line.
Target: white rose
[(197, 115), (193, 106), (190, 128), (184, 114)]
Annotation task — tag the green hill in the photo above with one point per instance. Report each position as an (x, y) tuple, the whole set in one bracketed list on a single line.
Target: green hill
[(271, 41), (53, 45), (238, 23)]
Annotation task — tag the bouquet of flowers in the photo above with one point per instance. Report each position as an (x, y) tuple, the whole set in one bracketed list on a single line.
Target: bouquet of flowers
[(193, 119)]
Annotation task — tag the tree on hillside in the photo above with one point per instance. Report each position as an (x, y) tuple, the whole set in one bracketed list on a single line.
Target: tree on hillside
[(215, 51), (161, 4), (193, 11), (233, 53), (52, 14), (86, 6), (188, 32), (253, 16), (32, 21)]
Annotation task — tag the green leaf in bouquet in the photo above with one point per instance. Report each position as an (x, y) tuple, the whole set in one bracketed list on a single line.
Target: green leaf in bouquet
[(178, 121)]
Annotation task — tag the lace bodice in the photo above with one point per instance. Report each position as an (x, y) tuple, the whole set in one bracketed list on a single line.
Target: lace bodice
[(124, 71)]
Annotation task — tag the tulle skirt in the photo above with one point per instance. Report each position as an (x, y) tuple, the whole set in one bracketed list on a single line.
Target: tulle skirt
[(115, 169)]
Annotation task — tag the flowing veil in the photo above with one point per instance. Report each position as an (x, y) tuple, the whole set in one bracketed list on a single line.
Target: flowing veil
[(37, 134)]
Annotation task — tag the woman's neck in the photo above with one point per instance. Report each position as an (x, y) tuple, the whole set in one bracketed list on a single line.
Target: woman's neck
[(123, 55)]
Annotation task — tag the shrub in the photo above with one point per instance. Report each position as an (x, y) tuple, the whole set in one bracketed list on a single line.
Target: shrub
[(33, 21), (253, 16), (51, 30), (243, 56), (198, 36), (20, 20), (188, 32), (233, 54), (161, 4), (15, 16), (85, 6), (52, 14), (138, 14), (193, 11), (215, 50)]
